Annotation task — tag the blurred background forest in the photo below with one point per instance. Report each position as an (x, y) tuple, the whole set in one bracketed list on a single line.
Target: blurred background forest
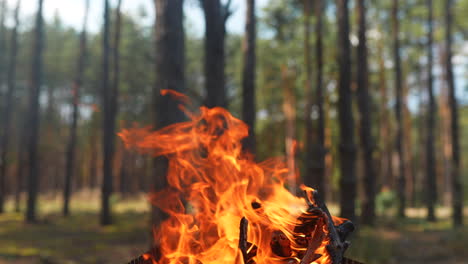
[(374, 93)]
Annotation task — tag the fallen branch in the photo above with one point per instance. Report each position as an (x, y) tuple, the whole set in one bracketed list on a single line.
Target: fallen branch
[(338, 244)]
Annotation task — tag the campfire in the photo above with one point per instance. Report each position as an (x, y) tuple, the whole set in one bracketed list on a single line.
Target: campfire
[(224, 207)]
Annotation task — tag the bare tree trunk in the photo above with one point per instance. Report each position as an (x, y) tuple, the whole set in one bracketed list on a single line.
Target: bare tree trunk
[(170, 64), (457, 198), (408, 144), (116, 64), (314, 162), (70, 152), (8, 104), (33, 124), (248, 76), (309, 177), (385, 135), (321, 151), (3, 39), (108, 124), (3, 112), (93, 166), (365, 100), (345, 115), (20, 168), (430, 155), (289, 109), (401, 179), (124, 184), (94, 174), (216, 15), (445, 137)]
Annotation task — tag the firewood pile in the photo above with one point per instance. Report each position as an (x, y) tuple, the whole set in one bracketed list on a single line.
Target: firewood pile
[(313, 228)]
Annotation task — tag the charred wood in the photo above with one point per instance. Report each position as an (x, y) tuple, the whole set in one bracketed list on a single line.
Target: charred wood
[(149, 257), (249, 250), (337, 246)]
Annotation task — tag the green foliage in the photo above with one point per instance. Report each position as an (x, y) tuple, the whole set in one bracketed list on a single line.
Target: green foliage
[(386, 201)]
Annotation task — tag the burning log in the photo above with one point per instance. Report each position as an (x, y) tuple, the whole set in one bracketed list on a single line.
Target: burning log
[(280, 244), (309, 234), (206, 164), (249, 250), (337, 245), (313, 245), (149, 257)]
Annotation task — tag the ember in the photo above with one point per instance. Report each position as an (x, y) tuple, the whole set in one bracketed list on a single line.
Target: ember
[(213, 186)]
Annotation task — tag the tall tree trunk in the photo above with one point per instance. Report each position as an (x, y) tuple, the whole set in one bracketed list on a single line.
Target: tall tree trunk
[(3, 108), (94, 158), (116, 69), (401, 179), (310, 177), (3, 39), (345, 115), (21, 161), (33, 124), (8, 108), (321, 150), (70, 152), (124, 184), (430, 155), (384, 135), (314, 162), (419, 177), (289, 110), (365, 102), (170, 64), (407, 144), (108, 124), (457, 198), (248, 76), (216, 15), (445, 138)]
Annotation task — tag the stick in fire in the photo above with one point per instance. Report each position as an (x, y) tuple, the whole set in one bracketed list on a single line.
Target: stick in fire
[(281, 246)]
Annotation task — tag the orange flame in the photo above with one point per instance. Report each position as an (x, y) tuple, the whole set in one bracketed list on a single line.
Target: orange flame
[(212, 184)]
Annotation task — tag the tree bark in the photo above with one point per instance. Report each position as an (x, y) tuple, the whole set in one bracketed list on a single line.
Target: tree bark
[(21, 161), (314, 162), (457, 195), (71, 147), (8, 107), (170, 64), (216, 15), (289, 110), (108, 124), (3, 112), (310, 177), (33, 124), (94, 149), (401, 179), (124, 184), (248, 76), (347, 147), (3, 39), (365, 103), (386, 169), (430, 155), (321, 150), (116, 70)]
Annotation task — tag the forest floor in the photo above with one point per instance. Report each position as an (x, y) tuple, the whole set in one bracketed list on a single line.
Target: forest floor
[(80, 239)]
